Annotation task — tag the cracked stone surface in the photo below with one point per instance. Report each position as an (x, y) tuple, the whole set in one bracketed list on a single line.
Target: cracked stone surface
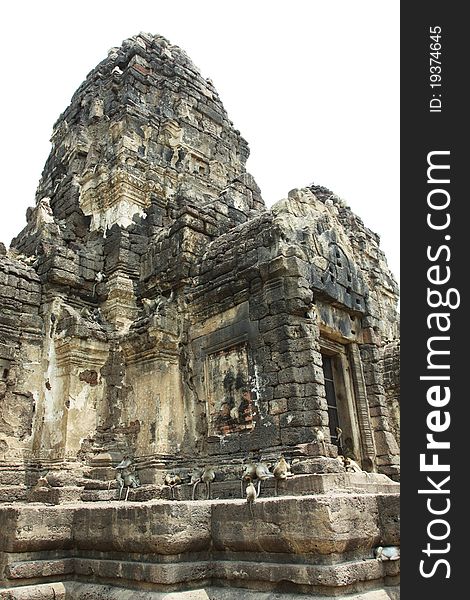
[(154, 310)]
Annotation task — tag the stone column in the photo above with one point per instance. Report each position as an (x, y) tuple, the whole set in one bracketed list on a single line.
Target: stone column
[(388, 459), (291, 369)]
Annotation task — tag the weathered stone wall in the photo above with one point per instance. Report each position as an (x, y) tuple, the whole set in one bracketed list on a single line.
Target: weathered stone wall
[(21, 339), (278, 284), (391, 368), (155, 312), (157, 260), (303, 543)]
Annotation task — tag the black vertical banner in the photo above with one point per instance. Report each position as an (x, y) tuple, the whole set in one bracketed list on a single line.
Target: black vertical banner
[(435, 370)]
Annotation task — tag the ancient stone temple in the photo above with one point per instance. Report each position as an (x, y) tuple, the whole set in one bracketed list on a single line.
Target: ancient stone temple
[(165, 339)]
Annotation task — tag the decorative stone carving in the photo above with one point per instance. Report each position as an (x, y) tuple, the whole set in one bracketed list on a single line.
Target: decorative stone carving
[(230, 399)]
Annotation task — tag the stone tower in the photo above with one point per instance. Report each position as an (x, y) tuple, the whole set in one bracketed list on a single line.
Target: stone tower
[(155, 310)]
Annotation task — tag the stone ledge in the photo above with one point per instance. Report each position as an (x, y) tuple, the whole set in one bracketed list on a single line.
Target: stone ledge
[(315, 544), (318, 524), (13, 493), (35, 569), (188, 573), (299, 485), (73, 590)]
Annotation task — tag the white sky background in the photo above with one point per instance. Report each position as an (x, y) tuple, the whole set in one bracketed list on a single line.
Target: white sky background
[(312, 85)]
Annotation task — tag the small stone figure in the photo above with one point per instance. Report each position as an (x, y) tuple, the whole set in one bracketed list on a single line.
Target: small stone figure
[(383, 553)]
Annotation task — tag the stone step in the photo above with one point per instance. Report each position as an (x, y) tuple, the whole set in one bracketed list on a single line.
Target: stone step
[(13, 493), (55, 495), (11, 477), (318, 544), (298, 485), (80, 590), (101, 495), (236, 570)]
